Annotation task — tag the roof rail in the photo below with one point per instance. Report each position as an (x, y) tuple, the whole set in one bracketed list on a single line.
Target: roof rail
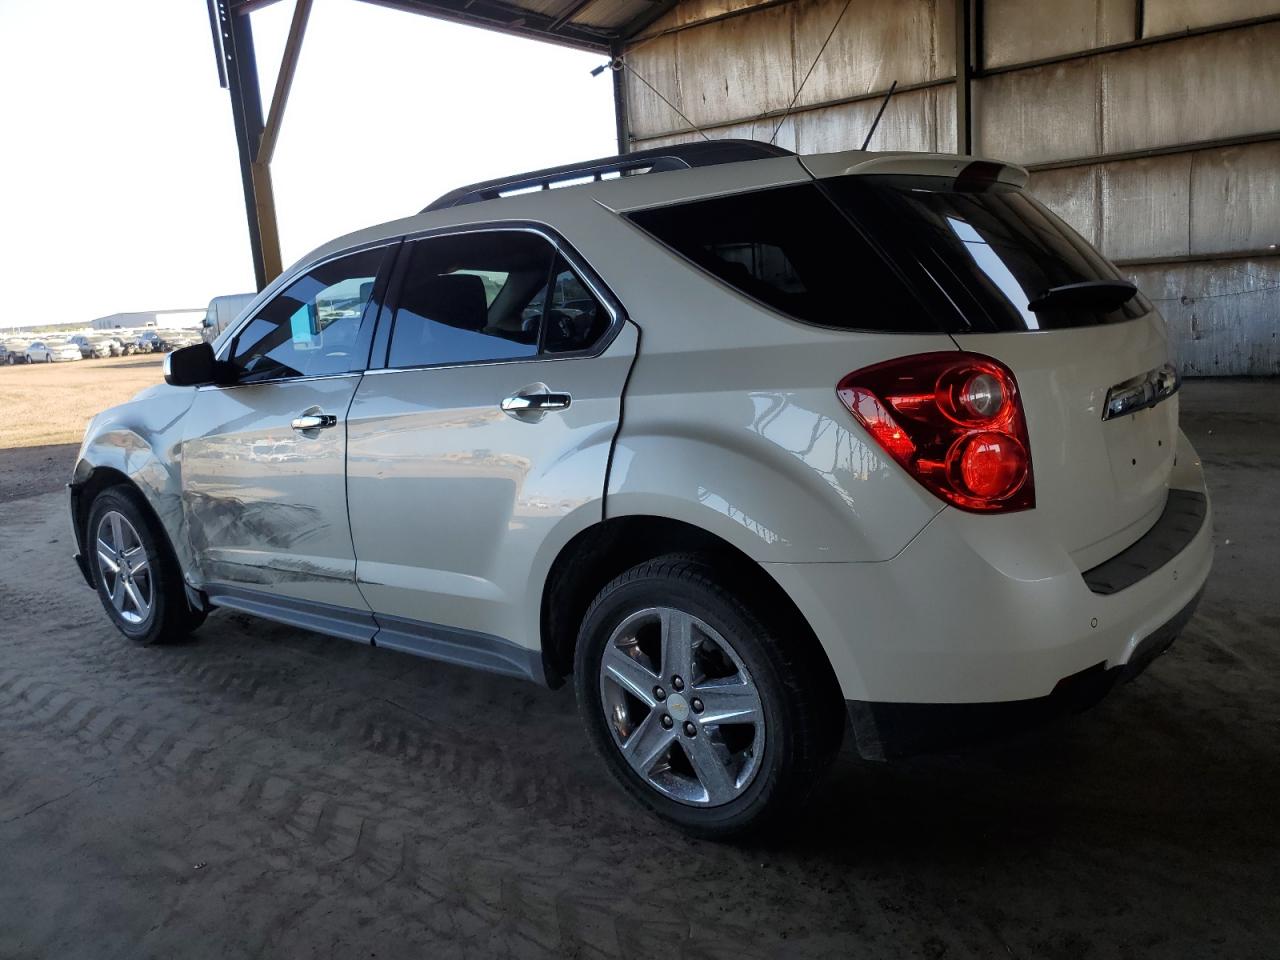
[(682, 156)]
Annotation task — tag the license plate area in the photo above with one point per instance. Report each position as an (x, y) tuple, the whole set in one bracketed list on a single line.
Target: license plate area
[(1141, 448)]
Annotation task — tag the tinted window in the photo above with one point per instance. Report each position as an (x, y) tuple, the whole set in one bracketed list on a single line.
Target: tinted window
[(792, 249), (992, 247), (573, 319), (489, 296), (312, 328)]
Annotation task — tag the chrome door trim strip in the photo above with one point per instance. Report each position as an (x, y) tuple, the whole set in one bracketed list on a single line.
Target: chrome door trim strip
[(351, 374)]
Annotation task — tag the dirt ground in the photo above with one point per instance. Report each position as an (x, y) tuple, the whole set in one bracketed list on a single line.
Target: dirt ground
[(48, 406), (59, 399), (264, 792)]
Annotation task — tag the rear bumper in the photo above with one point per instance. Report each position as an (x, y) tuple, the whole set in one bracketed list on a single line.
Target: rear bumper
[(988, 610), (889, 730)]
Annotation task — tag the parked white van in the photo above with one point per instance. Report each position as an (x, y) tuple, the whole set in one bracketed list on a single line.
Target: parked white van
[(222, 312)]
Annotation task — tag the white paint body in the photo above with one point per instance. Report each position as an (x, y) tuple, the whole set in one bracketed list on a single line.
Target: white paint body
[(432, 505)]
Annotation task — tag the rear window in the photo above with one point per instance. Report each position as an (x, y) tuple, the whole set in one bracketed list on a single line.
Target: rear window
[(991, 247), (792, 249), (902, 254)]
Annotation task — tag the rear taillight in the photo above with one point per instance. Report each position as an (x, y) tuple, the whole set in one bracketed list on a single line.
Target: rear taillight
[(953, 421)]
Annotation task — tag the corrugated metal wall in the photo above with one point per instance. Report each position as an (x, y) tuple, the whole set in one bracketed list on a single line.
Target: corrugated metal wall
[(1153, 126)]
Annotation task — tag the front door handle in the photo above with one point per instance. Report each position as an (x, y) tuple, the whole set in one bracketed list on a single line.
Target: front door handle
[(536, 402), (314, 421)]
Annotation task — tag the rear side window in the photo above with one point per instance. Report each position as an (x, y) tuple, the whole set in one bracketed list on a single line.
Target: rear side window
[(490, 296), (792, 249), (992, 247), (573, 318)]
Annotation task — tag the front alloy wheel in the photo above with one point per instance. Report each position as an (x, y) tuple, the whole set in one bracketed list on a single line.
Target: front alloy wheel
[(124, 567), (135, 572)]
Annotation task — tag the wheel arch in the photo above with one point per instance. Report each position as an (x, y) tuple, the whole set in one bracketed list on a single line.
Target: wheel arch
[(596, 555), (88, 481)]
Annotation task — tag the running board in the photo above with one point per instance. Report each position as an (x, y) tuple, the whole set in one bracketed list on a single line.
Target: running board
[(431, 641)]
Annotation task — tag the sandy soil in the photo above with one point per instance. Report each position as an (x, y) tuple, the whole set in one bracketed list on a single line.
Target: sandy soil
[(264, 792)]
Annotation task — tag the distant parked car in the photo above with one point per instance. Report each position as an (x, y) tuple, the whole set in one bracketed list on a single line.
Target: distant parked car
[(49, 351), (13, 351), (125, 342), (105, 347), (149, 341), (91, 345), (181, 338)]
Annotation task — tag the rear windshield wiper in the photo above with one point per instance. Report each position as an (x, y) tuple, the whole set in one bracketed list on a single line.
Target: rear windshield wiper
[(1088, 295)]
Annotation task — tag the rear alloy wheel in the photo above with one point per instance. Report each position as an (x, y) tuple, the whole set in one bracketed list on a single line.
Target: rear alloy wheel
[(136, 575), (681, 706), (712, 716)]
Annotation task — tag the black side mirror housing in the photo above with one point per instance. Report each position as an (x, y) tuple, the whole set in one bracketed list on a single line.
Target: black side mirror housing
[(194, 366)]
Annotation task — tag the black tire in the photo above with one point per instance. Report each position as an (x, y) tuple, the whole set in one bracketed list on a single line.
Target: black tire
[(802, 707), (170, 617)]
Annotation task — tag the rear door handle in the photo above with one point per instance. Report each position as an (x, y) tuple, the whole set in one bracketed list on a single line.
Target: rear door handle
[(314, 421), (536, 402)]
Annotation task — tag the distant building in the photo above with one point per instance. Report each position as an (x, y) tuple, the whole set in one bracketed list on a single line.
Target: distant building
[(149, 318)]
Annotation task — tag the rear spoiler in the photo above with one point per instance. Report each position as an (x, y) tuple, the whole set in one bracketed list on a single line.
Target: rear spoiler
[(970, 169)]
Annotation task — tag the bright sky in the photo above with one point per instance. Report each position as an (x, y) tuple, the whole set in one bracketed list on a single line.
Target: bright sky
[(119, 180)]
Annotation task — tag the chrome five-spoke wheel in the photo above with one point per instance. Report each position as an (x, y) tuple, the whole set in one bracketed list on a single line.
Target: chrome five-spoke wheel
[(124, 567), (682, 707)]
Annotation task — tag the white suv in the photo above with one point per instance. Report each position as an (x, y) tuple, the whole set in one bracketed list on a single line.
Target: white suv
[(745, 443)]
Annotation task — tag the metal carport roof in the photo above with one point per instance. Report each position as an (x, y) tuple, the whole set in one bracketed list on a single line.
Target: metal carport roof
[(585, 24), (599, 25)]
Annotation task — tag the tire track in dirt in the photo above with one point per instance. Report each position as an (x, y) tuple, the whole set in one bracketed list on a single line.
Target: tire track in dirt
[(310, 812)]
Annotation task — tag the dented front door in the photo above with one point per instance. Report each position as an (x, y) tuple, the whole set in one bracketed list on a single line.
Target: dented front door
[(264, 488)]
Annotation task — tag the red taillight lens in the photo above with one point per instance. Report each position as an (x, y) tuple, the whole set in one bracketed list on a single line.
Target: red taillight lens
[(990, 466), (953, 421)]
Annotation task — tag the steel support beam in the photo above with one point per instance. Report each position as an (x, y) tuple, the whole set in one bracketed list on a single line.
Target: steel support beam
[(284, 82), (233, 44), (801, 108), (620, 119), (216, 28), (964, 75), (1191, 146), (246, 109), (496, 15)]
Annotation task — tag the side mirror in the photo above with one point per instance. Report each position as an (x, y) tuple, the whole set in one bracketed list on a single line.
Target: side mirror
[(192, 366)]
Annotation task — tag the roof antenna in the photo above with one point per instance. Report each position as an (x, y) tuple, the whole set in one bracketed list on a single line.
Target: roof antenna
[(880, 113)]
